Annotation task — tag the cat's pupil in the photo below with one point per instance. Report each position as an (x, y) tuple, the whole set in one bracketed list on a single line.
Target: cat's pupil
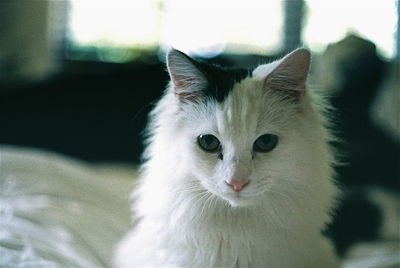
[(208, 143), (265, 143)]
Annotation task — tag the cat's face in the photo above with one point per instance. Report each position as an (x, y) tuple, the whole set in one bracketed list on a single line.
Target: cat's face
[(243, 142)]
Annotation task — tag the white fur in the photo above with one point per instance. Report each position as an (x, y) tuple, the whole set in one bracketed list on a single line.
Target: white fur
[(189, 217)]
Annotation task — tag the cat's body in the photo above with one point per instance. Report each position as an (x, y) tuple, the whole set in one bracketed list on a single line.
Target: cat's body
[(238, 171)]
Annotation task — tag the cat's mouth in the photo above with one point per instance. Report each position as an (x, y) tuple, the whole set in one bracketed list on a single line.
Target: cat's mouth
[(239, 198), (236, 198), (246, 197)]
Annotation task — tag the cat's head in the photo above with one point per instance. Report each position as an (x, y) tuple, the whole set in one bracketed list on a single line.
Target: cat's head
[(245, 134)]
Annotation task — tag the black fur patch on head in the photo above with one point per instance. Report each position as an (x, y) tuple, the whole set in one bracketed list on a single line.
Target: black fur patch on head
[(220, 79)]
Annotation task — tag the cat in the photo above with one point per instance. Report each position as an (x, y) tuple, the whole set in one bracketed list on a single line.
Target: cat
[(237, 172)]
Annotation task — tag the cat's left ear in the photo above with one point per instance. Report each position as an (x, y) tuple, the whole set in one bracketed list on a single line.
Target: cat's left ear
[(288, 76), (188, 80)]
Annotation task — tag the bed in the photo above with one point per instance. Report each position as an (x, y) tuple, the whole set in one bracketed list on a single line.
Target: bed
[(57, 211)]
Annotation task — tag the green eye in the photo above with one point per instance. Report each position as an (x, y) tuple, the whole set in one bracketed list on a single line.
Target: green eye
[(208, 143), (265, 143)]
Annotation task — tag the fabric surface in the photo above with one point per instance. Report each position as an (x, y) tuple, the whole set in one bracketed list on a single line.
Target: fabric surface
[(61, 212)]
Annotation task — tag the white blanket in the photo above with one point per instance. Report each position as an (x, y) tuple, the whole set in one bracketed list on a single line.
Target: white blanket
[(57, 211)]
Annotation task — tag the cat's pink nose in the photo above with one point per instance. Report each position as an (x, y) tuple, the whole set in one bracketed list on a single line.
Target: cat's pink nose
[(237, 185)]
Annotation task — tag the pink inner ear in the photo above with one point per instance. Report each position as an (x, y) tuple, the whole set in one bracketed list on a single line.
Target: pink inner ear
[(290, 75), (187, 79), (184, 88), (296, 65), (181, 82)]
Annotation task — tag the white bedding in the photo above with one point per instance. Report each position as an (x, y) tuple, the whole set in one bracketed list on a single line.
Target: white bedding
[(57, 211)]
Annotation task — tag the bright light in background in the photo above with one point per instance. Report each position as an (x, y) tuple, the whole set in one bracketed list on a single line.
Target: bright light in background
[(330, 21), (200, 27), (123, 23), (209, 26)]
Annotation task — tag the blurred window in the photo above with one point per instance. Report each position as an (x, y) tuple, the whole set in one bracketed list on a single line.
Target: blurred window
[(121, 30), (209, 27), (330, 21), (112, 30)]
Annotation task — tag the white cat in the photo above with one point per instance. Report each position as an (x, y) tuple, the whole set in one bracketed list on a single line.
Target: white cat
[(238, 171)]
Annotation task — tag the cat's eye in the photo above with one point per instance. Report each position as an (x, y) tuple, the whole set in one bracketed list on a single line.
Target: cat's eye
[(209, 143), (265, 143)]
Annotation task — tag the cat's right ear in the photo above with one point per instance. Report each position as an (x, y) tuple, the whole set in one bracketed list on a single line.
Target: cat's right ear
[(188, 81), (287, 76)]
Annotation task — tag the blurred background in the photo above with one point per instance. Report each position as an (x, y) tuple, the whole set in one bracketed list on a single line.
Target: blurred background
[(79, 77)]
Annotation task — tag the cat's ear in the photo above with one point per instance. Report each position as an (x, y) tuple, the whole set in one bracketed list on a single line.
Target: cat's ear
[(188, 80), (288, 76)]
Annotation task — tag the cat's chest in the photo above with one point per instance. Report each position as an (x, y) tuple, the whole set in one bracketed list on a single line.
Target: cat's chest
[(229, 244)]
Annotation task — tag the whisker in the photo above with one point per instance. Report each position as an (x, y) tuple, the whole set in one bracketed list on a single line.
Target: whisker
[(188, 191), (203, 204), (212, 201), (188, 188), (288, 197)]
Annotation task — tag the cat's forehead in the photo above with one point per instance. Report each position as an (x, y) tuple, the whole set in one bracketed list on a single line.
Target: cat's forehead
[(243, 108), (237, 104), (238, 114), (222, 80)]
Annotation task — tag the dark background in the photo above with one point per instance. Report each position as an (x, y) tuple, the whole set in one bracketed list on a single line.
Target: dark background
[(95, 115)]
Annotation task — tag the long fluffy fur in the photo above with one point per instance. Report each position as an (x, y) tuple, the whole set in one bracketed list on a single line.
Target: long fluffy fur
[(186, 218)]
